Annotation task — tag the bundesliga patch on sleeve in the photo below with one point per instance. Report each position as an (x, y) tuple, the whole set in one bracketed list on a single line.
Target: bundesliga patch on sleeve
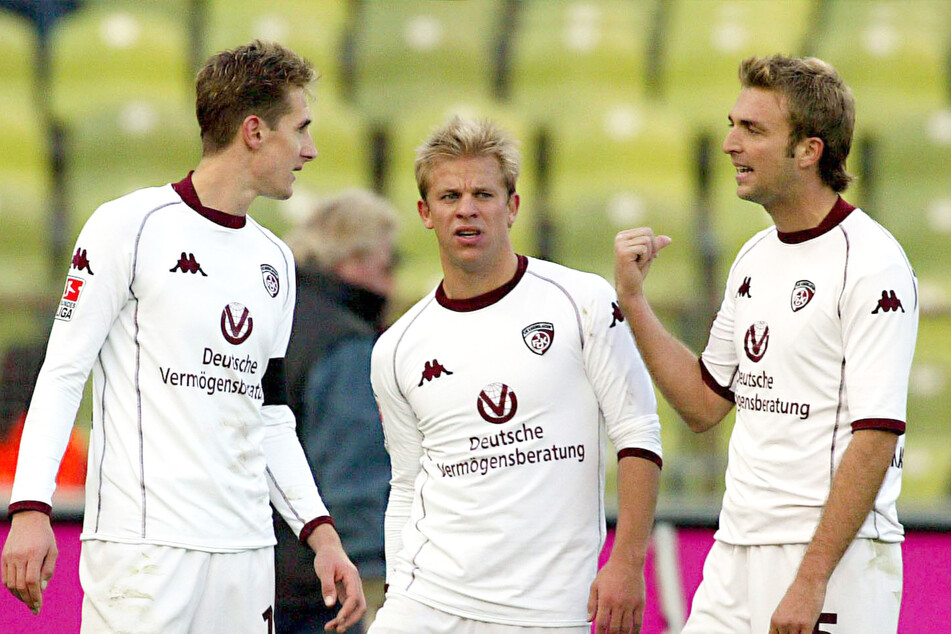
[(74, 288)]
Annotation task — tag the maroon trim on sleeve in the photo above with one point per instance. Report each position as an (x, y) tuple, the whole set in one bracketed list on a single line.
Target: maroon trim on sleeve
[(711, 382), (883, 424), (633, 452), (312, 525), (186, 190), (840, 210), (29, 505), (487, 299)]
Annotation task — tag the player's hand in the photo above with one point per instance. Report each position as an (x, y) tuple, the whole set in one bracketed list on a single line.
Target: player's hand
[(634, 251), (617, 598), (29, 557), (339, 579), (799, 610)]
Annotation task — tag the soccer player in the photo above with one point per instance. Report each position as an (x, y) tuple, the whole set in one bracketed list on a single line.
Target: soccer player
[(813, 345), (181, 304), (497, 392)]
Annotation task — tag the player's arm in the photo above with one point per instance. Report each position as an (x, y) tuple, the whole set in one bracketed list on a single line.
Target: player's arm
[(672, 365), (96, 289), (403, 444), (854, 488), (617, 599)]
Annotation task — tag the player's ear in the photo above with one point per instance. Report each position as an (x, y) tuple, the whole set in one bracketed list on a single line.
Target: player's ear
[(512, 205), (423, 208), (252, 131), (809, 151)]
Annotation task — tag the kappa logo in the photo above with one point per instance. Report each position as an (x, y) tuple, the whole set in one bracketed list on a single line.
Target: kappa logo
[(745, 288), (539, 336), (888, 302), (236, 323), (432, 370), (802, 294), (74, 288), (81, 261), (188, 264), (616, 315), (272, 282), (756, 341), (497, 403)]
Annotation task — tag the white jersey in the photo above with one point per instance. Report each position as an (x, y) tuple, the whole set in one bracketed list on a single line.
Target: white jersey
[(184, 317), (814, 341), (495, 412)]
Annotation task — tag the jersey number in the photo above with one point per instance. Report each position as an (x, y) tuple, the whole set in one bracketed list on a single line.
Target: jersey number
[(826, 618), (268, 617)]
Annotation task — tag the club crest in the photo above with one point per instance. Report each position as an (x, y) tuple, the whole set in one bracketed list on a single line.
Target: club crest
[(272, 283), (539, 336), (802, 294)]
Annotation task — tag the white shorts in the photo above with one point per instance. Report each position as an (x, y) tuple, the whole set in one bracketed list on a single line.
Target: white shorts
[(742, 585), (147, 589), (403, 615)]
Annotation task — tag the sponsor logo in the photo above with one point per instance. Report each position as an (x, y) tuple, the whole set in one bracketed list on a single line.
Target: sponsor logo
[(802, 294), (432, 370), (188, 264), (497, 403), (888, 302), (745, 288), (616, 315), (538, 336), (756, 341), (236, 323), (272, 282), (81, 261), (74, 288)]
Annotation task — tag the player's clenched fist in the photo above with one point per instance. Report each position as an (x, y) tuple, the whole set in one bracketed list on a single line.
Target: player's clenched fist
[(634, 250)]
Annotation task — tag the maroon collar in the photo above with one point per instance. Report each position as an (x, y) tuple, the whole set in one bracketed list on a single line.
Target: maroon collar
[(186, 190), (486, 299), (840, 211)]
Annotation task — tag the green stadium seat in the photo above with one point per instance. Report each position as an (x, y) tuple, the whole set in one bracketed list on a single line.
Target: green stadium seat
[(312, 29), (423, 53), (568, 55), (707, 39), (619, 167), (894, 55), (109, 53)]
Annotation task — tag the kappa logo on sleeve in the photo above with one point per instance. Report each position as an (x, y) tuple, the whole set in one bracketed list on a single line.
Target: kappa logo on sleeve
[(889, 302), (71, 294), (617, 316), (81, 261)]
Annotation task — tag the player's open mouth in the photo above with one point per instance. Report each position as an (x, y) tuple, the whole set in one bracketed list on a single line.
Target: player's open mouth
[(467, 233)]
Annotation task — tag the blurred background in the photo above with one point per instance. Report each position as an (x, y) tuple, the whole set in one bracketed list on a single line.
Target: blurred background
[(620, 106)]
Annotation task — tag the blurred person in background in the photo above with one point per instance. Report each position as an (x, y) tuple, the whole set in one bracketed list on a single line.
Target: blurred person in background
[(345, 253), (813, 344), (182, 306), (498, 391)]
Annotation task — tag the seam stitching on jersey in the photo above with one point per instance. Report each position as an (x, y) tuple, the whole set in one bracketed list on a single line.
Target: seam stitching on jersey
[(570, 298), (102, 458), (277, 486), (135, 338)]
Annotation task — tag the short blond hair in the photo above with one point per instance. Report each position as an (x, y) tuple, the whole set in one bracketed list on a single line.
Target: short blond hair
[(467, 138), (356, 222)]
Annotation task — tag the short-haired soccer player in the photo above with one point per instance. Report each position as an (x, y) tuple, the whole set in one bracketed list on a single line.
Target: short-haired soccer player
[(181, 305), (498, 391), (813, 345)]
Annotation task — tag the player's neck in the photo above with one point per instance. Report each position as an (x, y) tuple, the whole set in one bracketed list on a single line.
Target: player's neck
[(219, 185), (802, 212), (460, 283)]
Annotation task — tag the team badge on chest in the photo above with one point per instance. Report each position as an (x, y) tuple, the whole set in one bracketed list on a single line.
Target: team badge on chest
[(802, 294), (539, 336), (272, 283)]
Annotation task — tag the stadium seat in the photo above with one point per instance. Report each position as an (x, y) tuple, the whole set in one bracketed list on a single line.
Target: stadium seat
[(705, 41), (892, 53), (423, 53), (109, 53), (567, 56)]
